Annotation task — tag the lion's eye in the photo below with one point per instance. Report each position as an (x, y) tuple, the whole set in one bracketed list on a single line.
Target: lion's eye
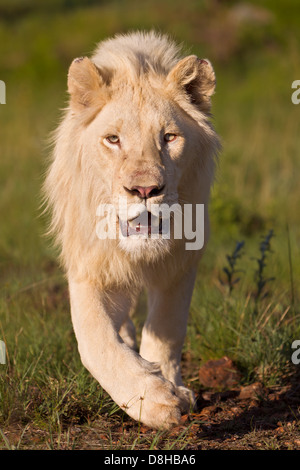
[(170, 137), (113, 139)]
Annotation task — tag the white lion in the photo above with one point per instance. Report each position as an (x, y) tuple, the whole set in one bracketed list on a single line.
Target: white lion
[(137, 126)]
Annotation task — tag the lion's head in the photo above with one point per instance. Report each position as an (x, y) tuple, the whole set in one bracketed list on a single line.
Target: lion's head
[(137, 130)]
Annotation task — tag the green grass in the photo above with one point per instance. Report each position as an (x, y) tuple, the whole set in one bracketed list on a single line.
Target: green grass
[(43, 385)]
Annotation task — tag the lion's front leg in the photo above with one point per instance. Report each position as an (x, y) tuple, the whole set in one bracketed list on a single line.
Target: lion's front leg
[(135, 385), (165, 329)]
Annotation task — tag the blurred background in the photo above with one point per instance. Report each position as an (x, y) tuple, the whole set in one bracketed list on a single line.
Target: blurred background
[(254, 48)]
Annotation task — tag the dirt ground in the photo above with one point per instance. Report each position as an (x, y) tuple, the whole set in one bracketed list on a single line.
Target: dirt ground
[(262, 419), (243, 418)]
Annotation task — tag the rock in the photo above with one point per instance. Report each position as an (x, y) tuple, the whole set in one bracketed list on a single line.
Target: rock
[(219, 374), (207, 411), (254, 390)]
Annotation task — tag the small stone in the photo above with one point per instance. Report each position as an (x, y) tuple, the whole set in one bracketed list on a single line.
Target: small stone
[(219, 374), (254, 390), (207, 411)]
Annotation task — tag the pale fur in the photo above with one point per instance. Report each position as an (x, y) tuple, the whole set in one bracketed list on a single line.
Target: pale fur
[(140, 87)]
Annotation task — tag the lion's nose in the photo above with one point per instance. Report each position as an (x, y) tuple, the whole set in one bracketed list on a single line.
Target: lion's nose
[(144, 192)]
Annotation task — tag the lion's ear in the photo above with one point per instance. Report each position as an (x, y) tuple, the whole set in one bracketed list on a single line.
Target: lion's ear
[(196, 78), (85, 84)]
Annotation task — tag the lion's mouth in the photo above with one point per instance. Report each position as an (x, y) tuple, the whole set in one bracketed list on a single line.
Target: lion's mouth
[(146, 224)]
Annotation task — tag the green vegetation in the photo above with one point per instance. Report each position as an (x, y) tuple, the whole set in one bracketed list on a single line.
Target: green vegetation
[(250, 310)]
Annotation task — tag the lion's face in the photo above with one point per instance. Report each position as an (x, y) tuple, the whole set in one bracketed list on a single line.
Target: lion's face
[(143, 144), (132, 141)]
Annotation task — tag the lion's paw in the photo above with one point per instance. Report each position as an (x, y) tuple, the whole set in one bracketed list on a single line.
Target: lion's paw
[(161, 404), (187, 398)]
